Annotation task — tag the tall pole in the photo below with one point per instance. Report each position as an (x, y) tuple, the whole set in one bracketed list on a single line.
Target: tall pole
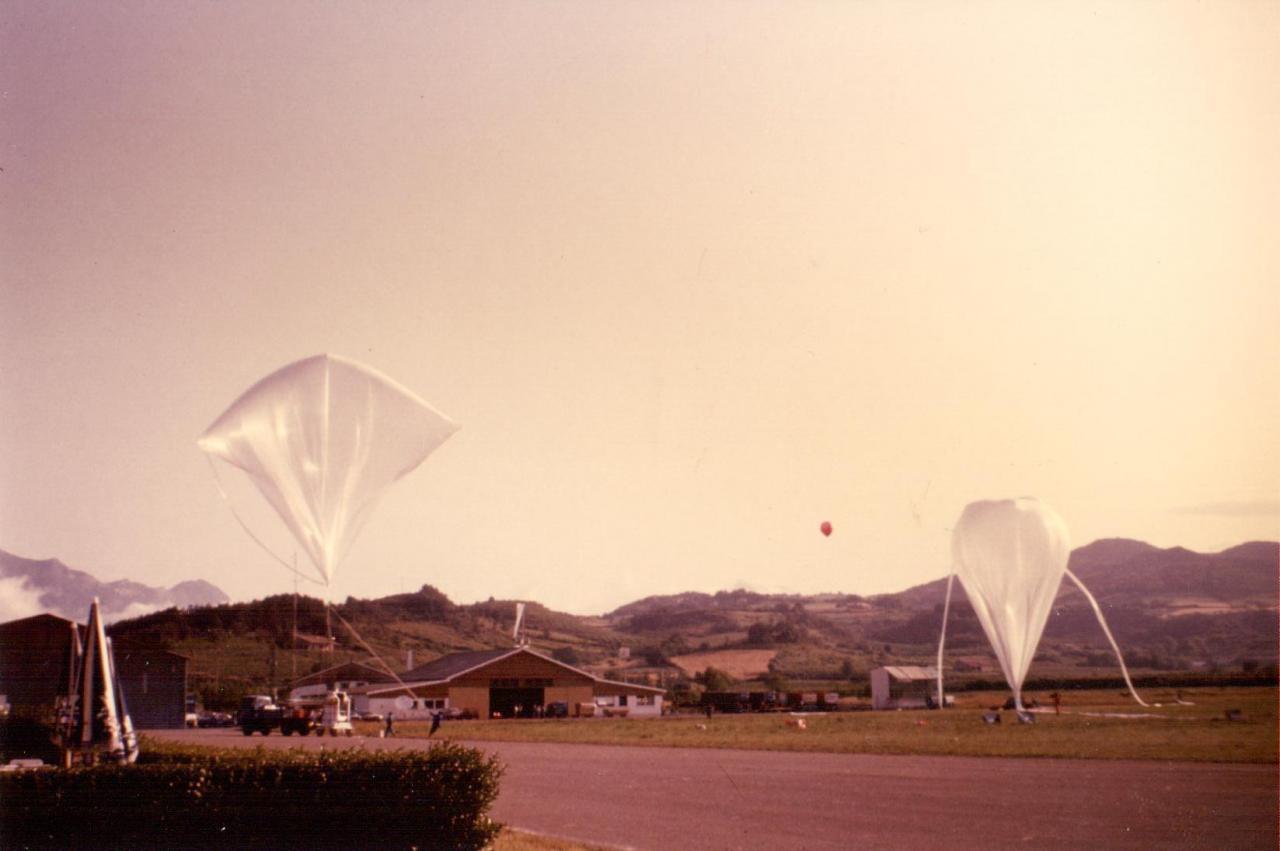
[(293, 644)]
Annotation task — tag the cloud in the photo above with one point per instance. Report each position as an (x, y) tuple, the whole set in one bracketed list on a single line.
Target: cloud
[(1233, 508), (133, 610), (18, 600)]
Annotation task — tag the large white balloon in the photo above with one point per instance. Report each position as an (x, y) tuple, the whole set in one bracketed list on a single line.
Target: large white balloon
[(1011, 556), (322, 439)]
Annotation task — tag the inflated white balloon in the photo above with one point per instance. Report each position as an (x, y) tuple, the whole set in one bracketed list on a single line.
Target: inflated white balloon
[(1011, 556), (322, 439)]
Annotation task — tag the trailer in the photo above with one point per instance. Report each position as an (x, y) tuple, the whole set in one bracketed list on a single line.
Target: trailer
[(335, 715), (728, 702)]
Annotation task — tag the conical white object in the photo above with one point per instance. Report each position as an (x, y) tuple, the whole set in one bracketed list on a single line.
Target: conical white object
[(322, 439), (1011, 556)]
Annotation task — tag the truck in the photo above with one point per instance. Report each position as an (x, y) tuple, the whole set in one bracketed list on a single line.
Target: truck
[(259, 713)]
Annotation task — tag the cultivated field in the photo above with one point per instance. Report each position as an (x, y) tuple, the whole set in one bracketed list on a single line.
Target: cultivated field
[(1093, 725), (739, 664)]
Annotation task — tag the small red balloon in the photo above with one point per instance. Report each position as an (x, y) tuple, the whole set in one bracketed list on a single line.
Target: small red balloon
[(826, 528)]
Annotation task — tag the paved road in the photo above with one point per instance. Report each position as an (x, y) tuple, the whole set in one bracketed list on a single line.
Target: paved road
[(663, 798)]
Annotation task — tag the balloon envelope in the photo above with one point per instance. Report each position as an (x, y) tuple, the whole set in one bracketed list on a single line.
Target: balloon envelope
[(322, 439), (825, 528), (1011, 555)]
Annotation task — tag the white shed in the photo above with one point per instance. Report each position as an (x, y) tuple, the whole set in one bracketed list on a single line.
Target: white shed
[(903, 687)]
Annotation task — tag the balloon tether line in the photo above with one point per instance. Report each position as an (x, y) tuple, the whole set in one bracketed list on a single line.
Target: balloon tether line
[(1103, 622), (372, 653), (946, 607), (292, 568), (245, 526)]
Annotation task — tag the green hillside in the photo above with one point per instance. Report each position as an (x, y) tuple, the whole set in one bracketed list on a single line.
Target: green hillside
[(1170, 610)]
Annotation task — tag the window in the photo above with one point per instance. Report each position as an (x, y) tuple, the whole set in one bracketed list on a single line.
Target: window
[(644, 700), (622, 701), (505, 682)]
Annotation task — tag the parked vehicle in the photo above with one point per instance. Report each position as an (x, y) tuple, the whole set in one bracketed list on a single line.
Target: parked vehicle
[(298, 719), (216, 719), (728, 702), (259, 714)]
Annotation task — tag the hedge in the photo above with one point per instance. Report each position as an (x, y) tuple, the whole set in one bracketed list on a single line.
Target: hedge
[(233, 799)]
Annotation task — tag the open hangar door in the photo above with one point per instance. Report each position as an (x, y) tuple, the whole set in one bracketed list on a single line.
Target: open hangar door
[(513, 699)]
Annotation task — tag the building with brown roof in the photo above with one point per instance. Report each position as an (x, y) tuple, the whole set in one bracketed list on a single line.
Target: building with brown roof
[(505, 683), (36, 656)]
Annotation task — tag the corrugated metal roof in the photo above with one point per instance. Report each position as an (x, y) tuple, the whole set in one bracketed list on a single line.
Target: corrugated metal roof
[(345, 671), (911, 672), (625, 687), (447, 667)]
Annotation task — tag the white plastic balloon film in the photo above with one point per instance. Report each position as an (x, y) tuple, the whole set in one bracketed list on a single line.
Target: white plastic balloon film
[(1011, 555), (322, 439)]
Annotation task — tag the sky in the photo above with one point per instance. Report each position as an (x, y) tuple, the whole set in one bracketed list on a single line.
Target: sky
[(692, 279)]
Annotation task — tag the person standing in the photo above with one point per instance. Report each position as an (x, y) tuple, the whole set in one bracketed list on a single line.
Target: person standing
[(391, 727), (435, 723)]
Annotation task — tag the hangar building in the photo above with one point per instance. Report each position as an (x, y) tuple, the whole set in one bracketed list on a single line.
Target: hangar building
[(498, 683)]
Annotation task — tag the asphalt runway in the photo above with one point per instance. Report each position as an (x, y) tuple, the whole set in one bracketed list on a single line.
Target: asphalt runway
[(665, 798)]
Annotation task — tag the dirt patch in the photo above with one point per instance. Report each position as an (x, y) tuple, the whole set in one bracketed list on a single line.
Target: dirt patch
[(739, 664)]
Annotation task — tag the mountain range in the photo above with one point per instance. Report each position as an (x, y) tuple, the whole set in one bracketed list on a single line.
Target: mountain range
[(31, 587), (1169, 609)]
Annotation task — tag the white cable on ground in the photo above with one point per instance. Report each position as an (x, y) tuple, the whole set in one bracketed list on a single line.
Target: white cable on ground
[(1103, 621)]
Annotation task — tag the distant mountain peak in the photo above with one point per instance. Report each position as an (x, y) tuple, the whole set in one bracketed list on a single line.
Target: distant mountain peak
[(33, 586), (1109, 551), (1254, 550)]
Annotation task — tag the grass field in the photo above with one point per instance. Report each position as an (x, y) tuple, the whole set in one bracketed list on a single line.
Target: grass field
[(1199, 733), (739, 664)]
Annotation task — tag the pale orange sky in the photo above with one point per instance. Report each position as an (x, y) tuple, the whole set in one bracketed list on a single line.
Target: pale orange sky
[(693, 278)]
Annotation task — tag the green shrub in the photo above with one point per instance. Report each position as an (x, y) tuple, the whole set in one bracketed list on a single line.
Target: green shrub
[(233, 799)]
